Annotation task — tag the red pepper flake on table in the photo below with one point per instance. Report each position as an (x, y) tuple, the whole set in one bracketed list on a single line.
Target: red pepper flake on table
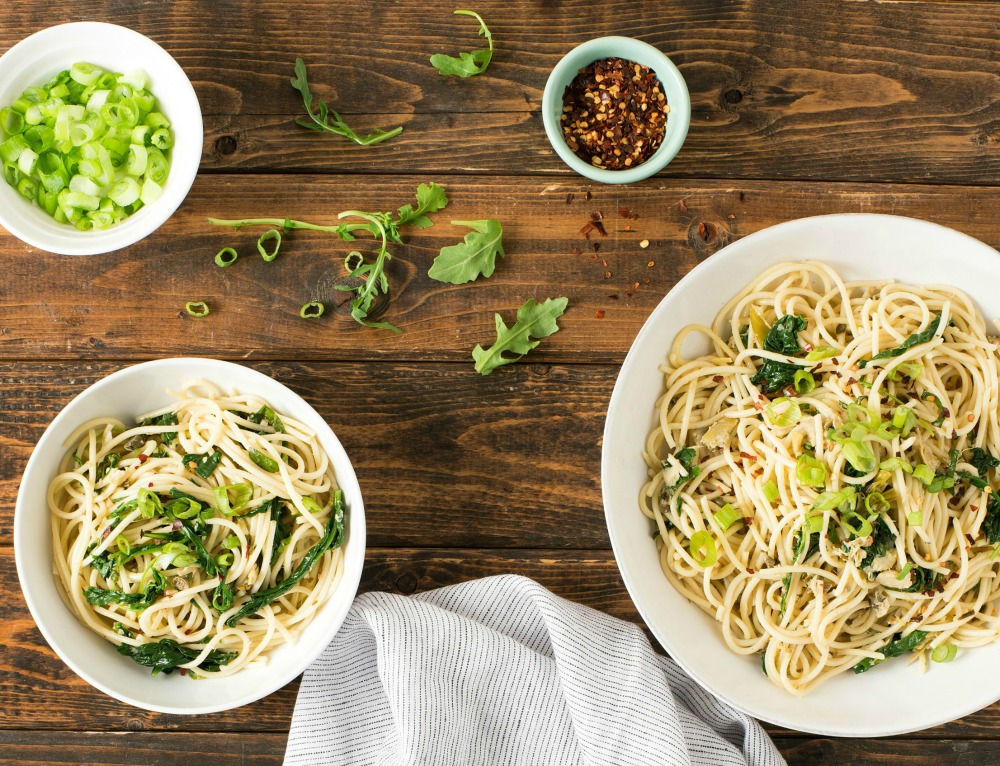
[(614, 113)]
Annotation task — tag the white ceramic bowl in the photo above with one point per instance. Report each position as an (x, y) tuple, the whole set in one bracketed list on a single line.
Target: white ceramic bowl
[(894, 698), (44, 54), (126, 394)]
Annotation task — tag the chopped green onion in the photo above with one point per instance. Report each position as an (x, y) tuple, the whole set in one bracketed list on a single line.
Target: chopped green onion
[(844, 500), (858, 413), (904, 571), (944, 653), (702, 549), (821, 352), (151, 191), (725, 517), (770, 490), (226, 257), (123, 544), (912, 370), (859, 528), (783, 412), (859, 455), (923, 474), (244, 493), (197, 308), (875, 502), (84, 73), (312, 310), (268, 464), (124, 192), (224, 559), (184, 560), (810, 471), (232, 542), (804, 382), (903, 419), (814, 524), (267, 236), (896, 464), (915, 519)]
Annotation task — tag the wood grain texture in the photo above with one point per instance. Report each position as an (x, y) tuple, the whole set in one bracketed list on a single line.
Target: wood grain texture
[(31, 675), (909, 90), (129, 304), (40, 748), (519, 469)]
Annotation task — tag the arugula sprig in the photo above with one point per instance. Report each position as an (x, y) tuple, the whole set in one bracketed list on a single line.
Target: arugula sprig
[(475, 256), (468, 64), (383, 226), (534, 320), (322, 121)]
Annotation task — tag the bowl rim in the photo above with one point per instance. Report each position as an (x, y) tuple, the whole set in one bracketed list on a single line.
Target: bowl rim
[(184, 165), (630, 570), (630, 48), (355, 546)]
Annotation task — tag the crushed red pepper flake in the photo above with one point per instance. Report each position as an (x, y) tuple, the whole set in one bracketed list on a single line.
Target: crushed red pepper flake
[(607, 275), (717, 378), (600, 228), (614, 113), (597, 215), (599, 313), (604, 262), (586, 229), (613, 296), (682, 206), (646, 280), (577, 251), (587, 195), (596, 246), (569, 197), (624, 212)]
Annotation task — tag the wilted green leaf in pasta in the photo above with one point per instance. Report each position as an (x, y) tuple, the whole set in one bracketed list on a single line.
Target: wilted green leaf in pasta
[(476, 255), (534, 320)]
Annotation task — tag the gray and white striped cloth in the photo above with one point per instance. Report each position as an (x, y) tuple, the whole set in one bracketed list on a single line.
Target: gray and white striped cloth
[(500, 671)]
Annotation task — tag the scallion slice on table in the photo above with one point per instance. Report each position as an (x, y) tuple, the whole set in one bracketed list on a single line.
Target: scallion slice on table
[(87, 147), (197, 308), (226, 257), (312, 310)]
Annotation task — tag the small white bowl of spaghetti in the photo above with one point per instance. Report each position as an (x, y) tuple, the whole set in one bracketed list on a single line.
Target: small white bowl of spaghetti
[(189, 518), (807, 544)]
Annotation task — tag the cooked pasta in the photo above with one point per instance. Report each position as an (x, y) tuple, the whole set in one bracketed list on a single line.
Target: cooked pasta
[(201, 538), (822, 480)]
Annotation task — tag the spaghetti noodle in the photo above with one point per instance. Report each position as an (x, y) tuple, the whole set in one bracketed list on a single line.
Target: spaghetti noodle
[(201, 538), (823, 479)]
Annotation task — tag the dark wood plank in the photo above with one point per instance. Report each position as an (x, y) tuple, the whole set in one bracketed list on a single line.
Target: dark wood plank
[(129, 304), (31, 675), (45, 748), (586, 577), (857, 91), (520, 469), (102, 748)]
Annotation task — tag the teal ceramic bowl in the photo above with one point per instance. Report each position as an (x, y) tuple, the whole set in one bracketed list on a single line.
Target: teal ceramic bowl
[(678, 119)]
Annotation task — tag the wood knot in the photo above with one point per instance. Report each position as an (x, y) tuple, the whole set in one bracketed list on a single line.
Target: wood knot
[(733, 96), (708, 236), (406, 583), (225, 144)]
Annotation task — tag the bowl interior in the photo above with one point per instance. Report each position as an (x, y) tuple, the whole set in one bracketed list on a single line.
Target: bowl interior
[(126, 394), (678, 119), (857, 246), (39, 57)]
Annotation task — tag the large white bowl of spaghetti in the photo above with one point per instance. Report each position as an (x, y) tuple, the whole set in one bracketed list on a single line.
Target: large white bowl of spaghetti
[(189, 519), (800, 489)]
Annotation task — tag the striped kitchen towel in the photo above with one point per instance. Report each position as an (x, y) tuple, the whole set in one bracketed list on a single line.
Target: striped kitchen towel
[(501, 672)]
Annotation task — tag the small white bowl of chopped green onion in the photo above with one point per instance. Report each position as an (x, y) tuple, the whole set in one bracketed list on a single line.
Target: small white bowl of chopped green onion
[(100, 138)]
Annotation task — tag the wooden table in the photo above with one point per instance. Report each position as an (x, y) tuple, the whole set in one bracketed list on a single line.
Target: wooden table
[(800, 108)]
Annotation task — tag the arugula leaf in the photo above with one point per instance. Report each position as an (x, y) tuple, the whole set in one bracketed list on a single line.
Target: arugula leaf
[(204, 465), (982, 461), (991, 522), (333, 536), (430, 199), (321, 121), (134, 601), (166, 655), (893, 649), (533, 320), (266, 415), (468, 64), (166, 419), (782, 338), (915, 339), (476, 255), (883, 540)]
